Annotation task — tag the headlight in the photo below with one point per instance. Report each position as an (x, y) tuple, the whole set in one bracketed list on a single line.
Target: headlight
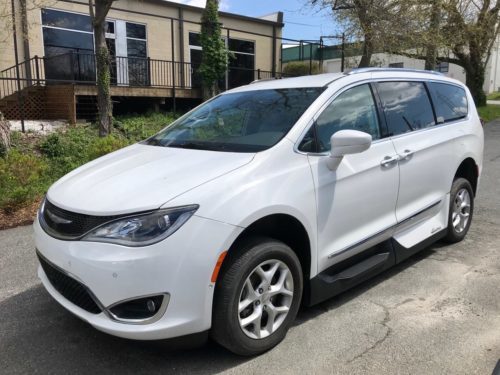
[(142, 230)]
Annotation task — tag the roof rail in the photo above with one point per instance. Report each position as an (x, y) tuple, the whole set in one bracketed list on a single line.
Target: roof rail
[(368, 70), (263, 80)]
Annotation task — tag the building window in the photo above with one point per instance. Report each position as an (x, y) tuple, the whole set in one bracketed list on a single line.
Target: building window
[(397, 65), (138, 72), (241, 64), (443, 67), (69, 44)]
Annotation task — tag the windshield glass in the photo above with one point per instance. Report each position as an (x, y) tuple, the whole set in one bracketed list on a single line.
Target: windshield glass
[(247, 121)]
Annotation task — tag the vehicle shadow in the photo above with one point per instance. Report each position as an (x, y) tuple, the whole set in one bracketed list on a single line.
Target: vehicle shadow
[(38, 335), (312, 312)]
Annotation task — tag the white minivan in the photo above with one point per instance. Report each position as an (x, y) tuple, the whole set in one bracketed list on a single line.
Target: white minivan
[(270, 196)]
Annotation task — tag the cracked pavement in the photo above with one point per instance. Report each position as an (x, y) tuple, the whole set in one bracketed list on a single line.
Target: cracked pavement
[(436, 313)]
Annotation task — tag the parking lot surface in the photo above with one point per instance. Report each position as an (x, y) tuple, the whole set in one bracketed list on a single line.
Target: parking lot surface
[(436, 313)]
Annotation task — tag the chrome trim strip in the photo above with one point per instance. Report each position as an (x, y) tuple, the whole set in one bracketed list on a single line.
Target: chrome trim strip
[(420, 216), (386, 234), (161, 311), (365, 243)]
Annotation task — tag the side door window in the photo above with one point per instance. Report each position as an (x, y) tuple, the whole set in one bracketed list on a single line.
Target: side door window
[(407, 106), (353, 109), (450, 101)]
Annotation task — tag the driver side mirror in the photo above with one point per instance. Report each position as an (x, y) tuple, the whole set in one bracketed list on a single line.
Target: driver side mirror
[(345, 142)]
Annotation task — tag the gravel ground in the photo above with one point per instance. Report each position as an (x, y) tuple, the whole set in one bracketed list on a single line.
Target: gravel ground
[(436, 313)]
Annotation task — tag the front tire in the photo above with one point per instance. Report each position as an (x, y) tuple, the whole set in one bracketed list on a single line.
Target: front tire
[(461, 210), (257, 296)]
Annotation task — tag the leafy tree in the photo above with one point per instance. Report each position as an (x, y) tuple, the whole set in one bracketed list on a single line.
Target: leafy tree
[(104, 104), (371, 21), (214, 53), (461, 32)]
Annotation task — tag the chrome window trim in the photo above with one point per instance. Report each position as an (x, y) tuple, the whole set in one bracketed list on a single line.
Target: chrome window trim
[(376, 80)]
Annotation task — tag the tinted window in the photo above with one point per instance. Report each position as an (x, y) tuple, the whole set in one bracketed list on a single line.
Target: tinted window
[(68, 39), (194, 39), (407, 106), (247, 121), (450, 101), (353, 109), (136, 31), (237, 45), (66, 20), (136, 48)]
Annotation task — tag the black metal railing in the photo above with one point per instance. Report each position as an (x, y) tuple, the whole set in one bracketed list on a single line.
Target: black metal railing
[(80, 68)]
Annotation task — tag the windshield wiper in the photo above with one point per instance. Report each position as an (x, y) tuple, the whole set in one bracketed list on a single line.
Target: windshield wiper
[(197, 146)]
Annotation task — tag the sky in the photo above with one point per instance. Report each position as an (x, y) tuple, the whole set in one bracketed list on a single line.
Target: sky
[(302, 21)]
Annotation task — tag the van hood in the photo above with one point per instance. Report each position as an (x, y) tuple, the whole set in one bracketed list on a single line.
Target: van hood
[(140, 178)]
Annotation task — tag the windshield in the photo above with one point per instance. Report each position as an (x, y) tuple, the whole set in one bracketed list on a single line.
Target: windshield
[(247, 121)]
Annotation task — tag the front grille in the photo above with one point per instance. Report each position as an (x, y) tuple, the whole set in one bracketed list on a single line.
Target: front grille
[(69, 225), (69, 288)]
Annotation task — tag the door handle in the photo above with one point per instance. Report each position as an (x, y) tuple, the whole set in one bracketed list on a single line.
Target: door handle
[(388, 161), (407, 154)]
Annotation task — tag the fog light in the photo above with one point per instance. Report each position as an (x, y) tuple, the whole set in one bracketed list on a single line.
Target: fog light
[(139, 310)]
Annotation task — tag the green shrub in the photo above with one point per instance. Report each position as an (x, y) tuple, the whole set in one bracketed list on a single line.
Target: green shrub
[(137, 128), (35, 162), (300, 68), (102, 146), (22, 179)]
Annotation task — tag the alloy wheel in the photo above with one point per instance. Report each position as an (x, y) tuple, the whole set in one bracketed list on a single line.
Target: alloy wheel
[(265, 299), (461, 210)]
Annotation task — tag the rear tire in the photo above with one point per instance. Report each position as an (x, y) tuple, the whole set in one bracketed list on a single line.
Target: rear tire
[(260, 282), (461, 210)]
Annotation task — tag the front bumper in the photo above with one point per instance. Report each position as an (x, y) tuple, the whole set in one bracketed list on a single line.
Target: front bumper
[(180, 266)]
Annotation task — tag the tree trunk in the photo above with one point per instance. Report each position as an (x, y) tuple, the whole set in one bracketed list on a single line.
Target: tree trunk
[(431, 53), (474, 79), (104, 103), (366, 57), (475, 68), (4, 135)]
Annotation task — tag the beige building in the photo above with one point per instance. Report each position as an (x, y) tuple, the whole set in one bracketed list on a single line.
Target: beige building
[(154, 44)]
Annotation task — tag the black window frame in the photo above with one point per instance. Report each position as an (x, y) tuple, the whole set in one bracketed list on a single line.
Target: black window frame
[(382, 123)]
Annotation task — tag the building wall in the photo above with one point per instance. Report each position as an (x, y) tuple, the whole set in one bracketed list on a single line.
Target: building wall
[(158, 26)]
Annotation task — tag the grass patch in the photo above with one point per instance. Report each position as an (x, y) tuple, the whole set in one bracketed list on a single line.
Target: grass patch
[(489, 112), (35, 162), (494, 96)]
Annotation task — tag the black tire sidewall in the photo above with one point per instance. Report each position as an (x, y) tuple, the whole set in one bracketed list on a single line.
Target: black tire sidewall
[(230, 285)]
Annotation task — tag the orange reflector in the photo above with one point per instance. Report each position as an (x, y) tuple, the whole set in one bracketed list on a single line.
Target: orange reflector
[(218, 265)]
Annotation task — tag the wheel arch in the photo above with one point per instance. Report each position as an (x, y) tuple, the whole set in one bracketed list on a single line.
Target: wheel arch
[(469, 170), (285, 228)]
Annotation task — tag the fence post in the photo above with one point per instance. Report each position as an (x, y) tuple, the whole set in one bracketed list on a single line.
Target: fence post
[(37, 70), (173, 65), (148, 72)]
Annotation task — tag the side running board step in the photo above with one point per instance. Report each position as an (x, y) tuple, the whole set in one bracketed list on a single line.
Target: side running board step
[(359, 269)]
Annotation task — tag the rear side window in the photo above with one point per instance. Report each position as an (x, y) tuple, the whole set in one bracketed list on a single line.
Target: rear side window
[(406, 105), (450, 101)]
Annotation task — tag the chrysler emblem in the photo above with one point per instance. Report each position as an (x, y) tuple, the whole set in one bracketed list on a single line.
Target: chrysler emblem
[(56, 219)]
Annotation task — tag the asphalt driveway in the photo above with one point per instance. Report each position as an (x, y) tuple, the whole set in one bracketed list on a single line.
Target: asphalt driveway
[(437, 313)]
